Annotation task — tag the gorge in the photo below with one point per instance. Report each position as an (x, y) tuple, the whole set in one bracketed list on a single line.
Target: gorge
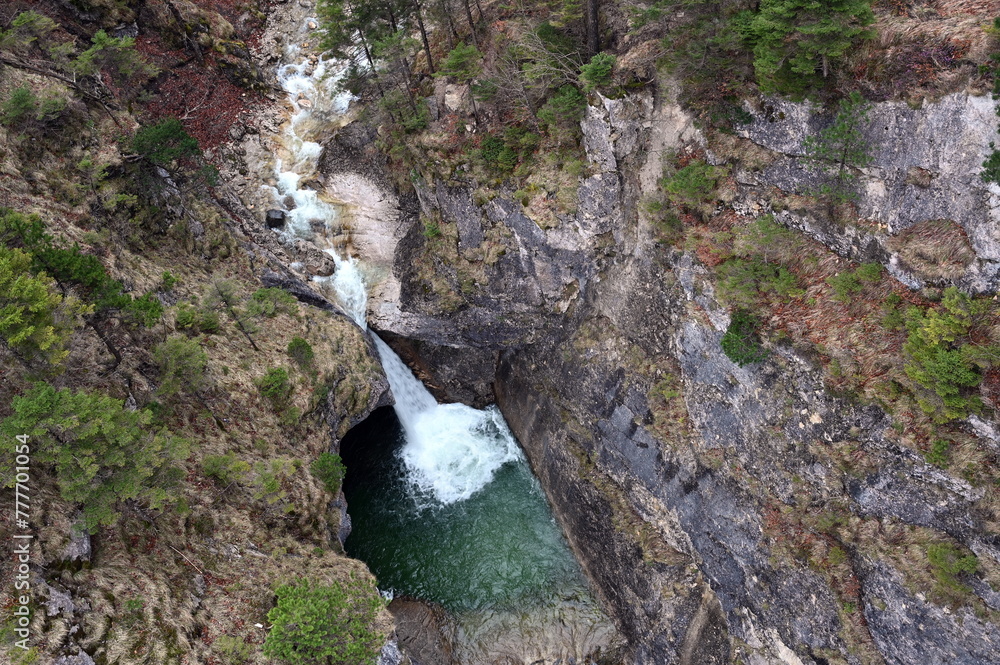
[(755, 385)]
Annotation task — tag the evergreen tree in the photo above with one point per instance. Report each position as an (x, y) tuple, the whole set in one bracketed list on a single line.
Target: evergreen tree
[(841, 147), (30, 309), (314, 624), (797, 38), (103, 453)]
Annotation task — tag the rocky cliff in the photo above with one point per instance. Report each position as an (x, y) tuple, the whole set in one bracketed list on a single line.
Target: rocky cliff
[(726, 514)]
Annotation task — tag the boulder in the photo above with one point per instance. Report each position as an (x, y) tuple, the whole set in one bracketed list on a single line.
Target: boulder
[(274, 219)]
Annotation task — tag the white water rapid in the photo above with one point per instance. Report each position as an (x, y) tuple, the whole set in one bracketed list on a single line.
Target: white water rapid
[(451, 450)]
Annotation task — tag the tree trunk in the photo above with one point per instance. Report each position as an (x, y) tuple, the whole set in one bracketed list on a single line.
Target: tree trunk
[(593, 27), (368, 54), (392, 18), (472, 24), (423, 35), (107, 342), (452, 32)]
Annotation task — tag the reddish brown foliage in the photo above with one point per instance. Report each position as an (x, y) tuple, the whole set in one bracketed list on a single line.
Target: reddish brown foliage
[(201, 96)]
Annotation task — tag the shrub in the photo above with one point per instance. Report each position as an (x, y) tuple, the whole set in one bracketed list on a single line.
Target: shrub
[(597, 73), (314, 623), (182, 364), (19, 108), (209, 322), (269, 302), (233, 649), (330, 470), (103, 453), (743, 282), (947, 563), (275, 386), (186, 317), (497, 155), (562, 113), (165, 142), (693, 184), (227, 469), (940, 359), (846, 285), (431, 229), (740, 342), (168, 280), (301, 352), (30, 310), (939, 454)]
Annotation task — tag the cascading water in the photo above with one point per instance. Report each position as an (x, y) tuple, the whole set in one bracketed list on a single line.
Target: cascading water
[(448, 510)]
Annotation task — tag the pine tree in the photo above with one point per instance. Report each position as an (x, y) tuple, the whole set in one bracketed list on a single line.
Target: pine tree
[(841, 147), (31, 309), (797, 38), (102, 452), (314, 623)]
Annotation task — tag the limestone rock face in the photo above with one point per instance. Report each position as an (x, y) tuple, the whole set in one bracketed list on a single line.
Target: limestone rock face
[(925, 166), (686, 484)]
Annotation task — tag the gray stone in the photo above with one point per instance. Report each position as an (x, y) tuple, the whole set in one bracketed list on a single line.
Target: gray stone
[(274, 219), (390, 654), (78, 548), (81, 658)]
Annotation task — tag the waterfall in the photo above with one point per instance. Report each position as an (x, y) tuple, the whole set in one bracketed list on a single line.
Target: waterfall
[(453, 513), (451, 450)]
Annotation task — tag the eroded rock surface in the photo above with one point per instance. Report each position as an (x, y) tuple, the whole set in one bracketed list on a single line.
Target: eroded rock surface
[(725, 514)]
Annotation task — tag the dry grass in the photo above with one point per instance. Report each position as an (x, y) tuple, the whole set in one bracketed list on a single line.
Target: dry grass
[(924, 49), (935, 250)]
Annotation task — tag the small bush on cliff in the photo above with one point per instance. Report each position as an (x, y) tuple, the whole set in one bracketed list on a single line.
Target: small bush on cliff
[(276, 387), (314, 624), (562, 113), (597, 73), (846, 285), (947, 563), (693, 184), (182, 364), (227, 469), (329, 469), (747, 282), (31, 310), (301, 352), (740, 343), (270, 302), (165, 142), (943, 360)]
